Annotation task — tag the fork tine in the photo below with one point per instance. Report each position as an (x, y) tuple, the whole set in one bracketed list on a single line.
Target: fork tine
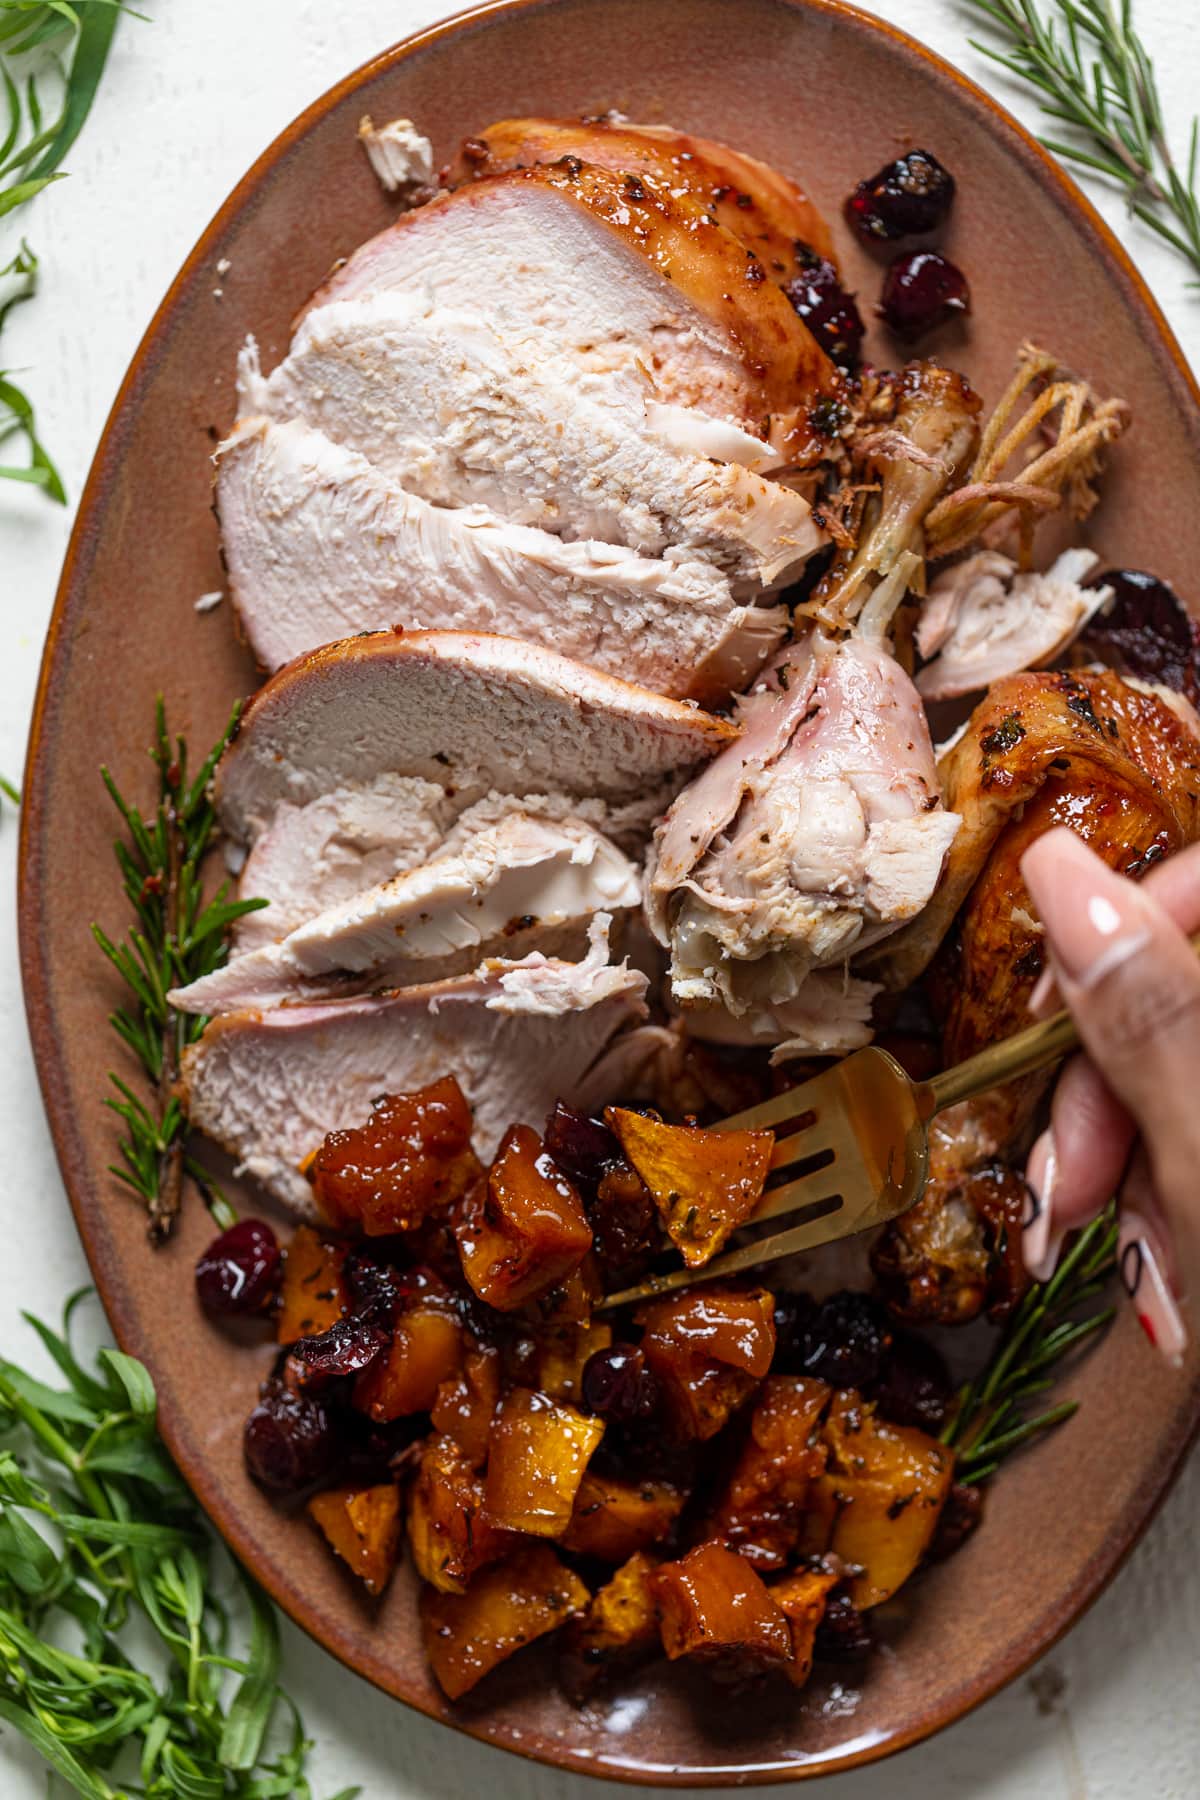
[(785, 1243), (781, 1108)]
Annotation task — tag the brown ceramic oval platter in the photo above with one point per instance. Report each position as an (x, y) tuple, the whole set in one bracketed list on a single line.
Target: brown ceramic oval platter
[(827, 94)]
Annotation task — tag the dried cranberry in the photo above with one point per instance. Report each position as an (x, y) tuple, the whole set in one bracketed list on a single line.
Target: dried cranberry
[(844, 1634), (625, 1224), (846, 1342), (1146, 631), (582, 1147), (908, 196), (374, 1287), (794, 1313), (957, 1520), (346, 1348), (921, 290), (290, 1440), (239, 1272), (915, 1386), (617, 1384), (830, 313)]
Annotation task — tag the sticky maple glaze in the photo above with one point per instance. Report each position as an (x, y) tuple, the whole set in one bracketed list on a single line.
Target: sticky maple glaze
[(765, 211), (1121, 770)]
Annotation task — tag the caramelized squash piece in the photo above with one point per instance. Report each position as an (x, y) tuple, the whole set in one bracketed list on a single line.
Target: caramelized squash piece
[(574, 1299), (449, 1531), (363, 1527), (562, 1351), (820, 1515), (623, 1615), (760, 1509), (711, 1603), (522, 1230), (892, 1482), (538, 1451), (313, 1293), (802, 1596), (506, 1606), (411, 1158), (465, 1405), (425, 1350), (614, 1519), (704, 1183), (709, 1349)]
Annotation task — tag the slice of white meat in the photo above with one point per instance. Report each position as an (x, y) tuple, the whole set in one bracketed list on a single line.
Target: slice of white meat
[(609, 271), (522, 884), (985, 619), (818, 833), (269, 1086), (443, 405), (319, 545), (468, 713), (323, 853)]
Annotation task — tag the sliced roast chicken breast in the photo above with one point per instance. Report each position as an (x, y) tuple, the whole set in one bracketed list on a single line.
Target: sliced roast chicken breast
[(985, 619), (442, 403), (319, 544), (520, 884), (466, 712), (815, 835), (268, 1086), (612, 272), (323, 852), (765, 211)]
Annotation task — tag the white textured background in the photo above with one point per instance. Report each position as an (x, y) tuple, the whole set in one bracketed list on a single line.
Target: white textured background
[(189, 101)]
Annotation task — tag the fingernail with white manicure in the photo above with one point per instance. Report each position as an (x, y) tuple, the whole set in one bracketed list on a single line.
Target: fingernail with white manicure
[(1044, 997), (1041, 1240), (1143, 1279)]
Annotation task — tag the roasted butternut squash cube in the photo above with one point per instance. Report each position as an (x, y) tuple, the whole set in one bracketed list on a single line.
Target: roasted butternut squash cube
[(523, 1230), (704, 1183), (711, 1603), (449, 1532), (363, 1526), (821, 1509), (313, 1292), (465, 1405), (425, 1351), (892, 1482), (802, 1596), (709, 1349), (562, 1351), (623, 1615), (506, 1606), (614, 1519), (760, 1509), (411, 1158), (538, 1451), (574, 1299)]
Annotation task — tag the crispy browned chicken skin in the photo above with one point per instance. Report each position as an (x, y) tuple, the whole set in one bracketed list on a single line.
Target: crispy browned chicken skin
[(1121, 769)]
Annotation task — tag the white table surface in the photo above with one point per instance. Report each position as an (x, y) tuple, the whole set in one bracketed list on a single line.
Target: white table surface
[(189, 101)]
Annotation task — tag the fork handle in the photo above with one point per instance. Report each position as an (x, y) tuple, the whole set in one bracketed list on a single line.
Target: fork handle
[(1022, 1054)]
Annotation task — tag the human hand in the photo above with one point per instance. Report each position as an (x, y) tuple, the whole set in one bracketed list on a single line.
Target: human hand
[(1126, 1114)]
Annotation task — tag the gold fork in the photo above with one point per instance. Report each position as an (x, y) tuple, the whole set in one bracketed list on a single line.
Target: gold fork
[(855, 1142)]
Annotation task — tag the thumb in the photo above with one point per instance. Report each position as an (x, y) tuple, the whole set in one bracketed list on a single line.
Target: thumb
[(1132, 982)]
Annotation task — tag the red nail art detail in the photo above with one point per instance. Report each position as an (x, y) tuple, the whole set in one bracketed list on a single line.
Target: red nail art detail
[(1148, 1328)]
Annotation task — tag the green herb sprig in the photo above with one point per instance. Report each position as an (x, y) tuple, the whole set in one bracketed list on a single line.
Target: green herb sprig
[(1092, 72), (98, 1534), (177, 937), (62, 44), (991, 1417)]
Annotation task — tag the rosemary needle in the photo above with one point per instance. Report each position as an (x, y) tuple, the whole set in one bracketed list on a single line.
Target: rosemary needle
[(175, 938), (1092, 72), (1053, 1319)]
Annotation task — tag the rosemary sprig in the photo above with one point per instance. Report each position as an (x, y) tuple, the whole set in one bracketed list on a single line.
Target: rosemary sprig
[(118, 1662), (1092, 72), (991, 1418), (63, 43), (176, 938)]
